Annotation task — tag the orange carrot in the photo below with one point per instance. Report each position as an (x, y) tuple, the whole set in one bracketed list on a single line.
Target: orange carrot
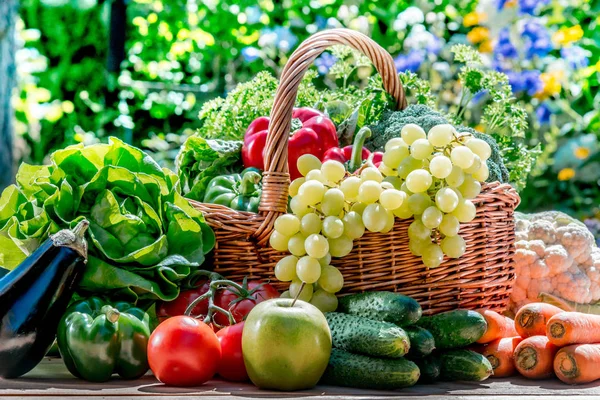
[(496, 326), (578, 363), (500, 353), (573, 328), (531, 319), (534, 357), (510, 326)]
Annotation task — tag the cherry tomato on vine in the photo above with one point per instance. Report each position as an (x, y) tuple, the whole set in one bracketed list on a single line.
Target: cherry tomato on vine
[(166, 309), (240, 305)]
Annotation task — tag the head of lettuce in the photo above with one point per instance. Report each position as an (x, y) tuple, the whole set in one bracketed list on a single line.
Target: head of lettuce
[(144, 238)]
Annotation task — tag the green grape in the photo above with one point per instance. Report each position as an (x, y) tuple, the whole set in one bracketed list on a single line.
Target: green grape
[(395, 142), (296, 245), (456, 177), (369, 192), (324, 261), (287, 224), (465, 211), (285, 269), (432, 217), (394, 156), (408, 165), (285, 295), (386, 171), (418, 202), (333, 227), (454, 246), (432, 256), (358, 208), (391, 199), (476, 165), (416, 230), (311, 192), (482, 174), (480, 147), (450, 225), (404, 188), (421, 149), (308, 269), (349, 187), (371, 174), (446, 199), (394, 180), (307, 163), (298, 208), (440, 166), (326, 302), (353, 225), (470, 188), (333, 202), (412, 132), (441, 135), (404, 211), (316, 175), (316, 246), (418, 246), (279, 241), (462, 157), (306, 294), (458, 193), (295, 185), (309, 224), (418, 181), (386, 185), (374, 217), (331, 279), (341, 246), (333, 171), (389, 222)]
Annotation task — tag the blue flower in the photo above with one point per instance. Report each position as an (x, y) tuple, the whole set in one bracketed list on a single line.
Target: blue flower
[(280, 37), (250, 53), (253, 14), (543, 113), (325, 62), (504, 47), (501, 3), (576, 56), (525, 81), (531, 6), (538, 41), (409, 62), (321, 22)]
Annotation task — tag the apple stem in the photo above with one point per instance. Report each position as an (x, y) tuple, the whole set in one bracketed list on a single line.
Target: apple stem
[(298, 295)]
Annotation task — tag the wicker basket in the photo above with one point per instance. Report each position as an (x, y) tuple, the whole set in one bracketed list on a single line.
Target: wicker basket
[(482, 277)]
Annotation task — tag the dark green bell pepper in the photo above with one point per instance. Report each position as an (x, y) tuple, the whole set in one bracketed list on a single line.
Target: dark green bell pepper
[(237, 191), (97, 339)]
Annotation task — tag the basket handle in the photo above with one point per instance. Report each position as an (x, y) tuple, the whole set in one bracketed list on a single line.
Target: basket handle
[(276, 178)]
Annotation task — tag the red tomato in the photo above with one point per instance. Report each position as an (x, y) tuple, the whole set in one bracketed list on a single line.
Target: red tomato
[(231, 367), (183, 351), (166, 309), (227, 299)]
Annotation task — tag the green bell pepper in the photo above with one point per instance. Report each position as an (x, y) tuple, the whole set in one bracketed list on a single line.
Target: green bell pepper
[(97, 339), (237, 191)]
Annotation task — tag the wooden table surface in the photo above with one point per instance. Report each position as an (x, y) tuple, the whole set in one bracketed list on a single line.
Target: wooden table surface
[(51, 380)]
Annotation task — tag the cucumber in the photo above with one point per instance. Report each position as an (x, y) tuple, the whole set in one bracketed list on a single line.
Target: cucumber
[(464, 365), (421, 342), (368, 337), (382, 306), (454, 329), (358, 371), (430, 368)]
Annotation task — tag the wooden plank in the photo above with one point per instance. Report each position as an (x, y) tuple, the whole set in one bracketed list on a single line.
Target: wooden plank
[(51, 380)]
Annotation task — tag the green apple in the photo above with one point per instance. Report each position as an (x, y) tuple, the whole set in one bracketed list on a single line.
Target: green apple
[(284, 347)]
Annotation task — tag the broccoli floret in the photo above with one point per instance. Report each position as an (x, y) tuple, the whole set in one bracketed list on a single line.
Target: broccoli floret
[(392, 123)]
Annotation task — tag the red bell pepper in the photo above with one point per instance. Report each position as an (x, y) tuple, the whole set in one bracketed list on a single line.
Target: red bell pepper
[(354, 158), (311, 133)]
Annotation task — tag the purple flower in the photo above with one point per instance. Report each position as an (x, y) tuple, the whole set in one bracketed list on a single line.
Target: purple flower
[(531, 6), (409, 62), (575, 56), (538, 41), (543, 113), (250, 53), (525, 81), (505, 48), (501, 3), (325, 62)]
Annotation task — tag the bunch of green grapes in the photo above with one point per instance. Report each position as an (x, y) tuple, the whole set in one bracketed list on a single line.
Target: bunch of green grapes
[(439, 173), (329, 210)]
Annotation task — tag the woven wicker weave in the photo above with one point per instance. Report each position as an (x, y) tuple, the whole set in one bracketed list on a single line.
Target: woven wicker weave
[(482, 277)]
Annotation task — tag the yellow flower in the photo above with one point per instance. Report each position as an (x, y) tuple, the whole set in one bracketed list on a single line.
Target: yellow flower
[(566, 174), (474, 18), (582, 153), (152, 18), (552, 86), (478, 35), (598, 66), (68, 107), (565, 36), (510, 3), (486, 46), (479, 128)]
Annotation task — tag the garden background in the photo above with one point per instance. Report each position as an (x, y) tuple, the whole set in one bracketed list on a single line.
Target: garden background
[(142, 70)]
